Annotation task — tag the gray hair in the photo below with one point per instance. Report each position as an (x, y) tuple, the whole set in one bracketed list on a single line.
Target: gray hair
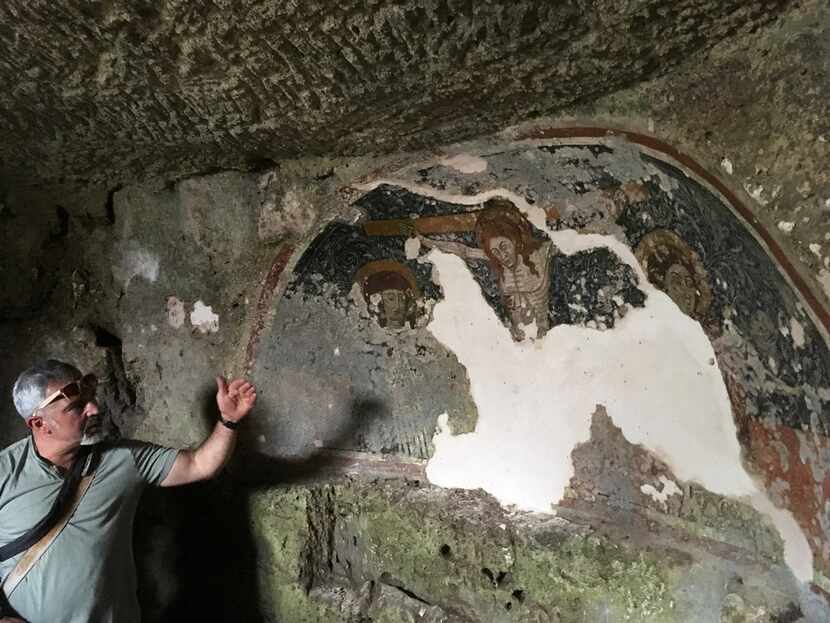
[(30, 388)]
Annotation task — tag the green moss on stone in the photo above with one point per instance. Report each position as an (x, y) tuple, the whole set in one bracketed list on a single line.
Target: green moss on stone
[(585, 577), (289, 603), (457, 549), (279, 524)]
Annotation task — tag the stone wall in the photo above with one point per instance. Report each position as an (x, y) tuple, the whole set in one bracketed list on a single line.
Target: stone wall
[(754, 109), (642, 366), (112, 91), (421, 415)]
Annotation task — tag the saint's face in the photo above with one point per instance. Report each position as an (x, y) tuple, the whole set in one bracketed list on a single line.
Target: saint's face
[(394, 308), (503, 250), (681, 287)]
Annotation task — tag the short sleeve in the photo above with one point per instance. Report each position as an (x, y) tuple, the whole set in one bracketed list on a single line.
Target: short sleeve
[(152, 461)]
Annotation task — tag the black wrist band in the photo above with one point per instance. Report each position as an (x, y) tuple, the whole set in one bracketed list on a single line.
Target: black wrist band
[(228, 423)]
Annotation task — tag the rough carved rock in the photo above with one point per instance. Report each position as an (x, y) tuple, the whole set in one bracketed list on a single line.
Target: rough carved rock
[(96, 90)]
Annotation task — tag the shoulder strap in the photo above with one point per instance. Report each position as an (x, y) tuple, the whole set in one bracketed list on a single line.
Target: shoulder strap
[(33, 554), (85, 462)]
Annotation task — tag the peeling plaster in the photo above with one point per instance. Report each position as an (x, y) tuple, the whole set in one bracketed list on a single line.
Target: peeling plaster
[(466, 163), (726, 165), (668, 489), (797, 332), (757, 193), (653, 372), (203, 318), (176, 313), (412, 248)]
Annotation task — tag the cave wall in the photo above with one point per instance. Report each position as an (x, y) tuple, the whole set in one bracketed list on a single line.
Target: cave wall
[(753, 109), (158, 281), (276, 274), (772, 356), (111, 91)]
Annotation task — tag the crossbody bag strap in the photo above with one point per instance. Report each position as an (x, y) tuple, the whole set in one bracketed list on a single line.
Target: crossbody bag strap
[(33, 554)]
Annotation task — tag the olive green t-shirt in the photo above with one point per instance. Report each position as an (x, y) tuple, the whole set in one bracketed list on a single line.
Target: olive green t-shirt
[(87, 575)]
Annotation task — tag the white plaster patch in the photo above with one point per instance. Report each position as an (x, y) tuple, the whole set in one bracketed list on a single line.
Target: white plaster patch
[(466, 163), (786, 227), (816, 249), (726, 165), (535, 398), (203, 318), (797, 331), (175, 312), (668, 489), (412, 247), (757, 193)]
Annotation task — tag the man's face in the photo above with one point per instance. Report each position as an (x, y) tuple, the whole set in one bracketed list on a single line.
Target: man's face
[(72, 421), (503, 249), (680, 286), (394, 308)]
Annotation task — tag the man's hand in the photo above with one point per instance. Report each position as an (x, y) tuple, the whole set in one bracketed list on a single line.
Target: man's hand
[(235, 399)]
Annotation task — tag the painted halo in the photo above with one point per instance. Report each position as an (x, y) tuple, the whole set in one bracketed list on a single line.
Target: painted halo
[(380, 276), (676, 269)]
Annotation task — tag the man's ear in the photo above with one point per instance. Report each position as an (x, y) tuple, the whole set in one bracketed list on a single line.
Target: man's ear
[(35, 423)]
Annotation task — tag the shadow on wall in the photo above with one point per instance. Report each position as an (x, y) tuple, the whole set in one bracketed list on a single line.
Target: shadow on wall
[(194, 548)]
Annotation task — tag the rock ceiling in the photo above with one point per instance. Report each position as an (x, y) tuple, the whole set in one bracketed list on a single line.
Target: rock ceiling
[(115, 89)]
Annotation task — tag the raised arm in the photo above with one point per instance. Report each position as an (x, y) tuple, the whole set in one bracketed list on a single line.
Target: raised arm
[(235, 401), (456, 248)]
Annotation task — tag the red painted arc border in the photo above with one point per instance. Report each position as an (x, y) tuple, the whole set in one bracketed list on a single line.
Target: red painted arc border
[(267, 293), (821, 313)]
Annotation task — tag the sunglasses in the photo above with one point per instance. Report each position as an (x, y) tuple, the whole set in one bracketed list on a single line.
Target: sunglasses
[(84, 388)]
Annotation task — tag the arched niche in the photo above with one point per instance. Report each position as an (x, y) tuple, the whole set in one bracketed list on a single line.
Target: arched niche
[(361, 347)]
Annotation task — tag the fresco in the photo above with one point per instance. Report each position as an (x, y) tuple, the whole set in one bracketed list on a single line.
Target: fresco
[(554, 236), (676, 269), (524, 278), (390, 292)]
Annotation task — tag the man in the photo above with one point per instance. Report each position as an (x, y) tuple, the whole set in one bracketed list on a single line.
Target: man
[(87, 574)]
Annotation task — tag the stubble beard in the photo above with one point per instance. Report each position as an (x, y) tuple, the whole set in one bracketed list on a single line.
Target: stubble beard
[(93, 431)]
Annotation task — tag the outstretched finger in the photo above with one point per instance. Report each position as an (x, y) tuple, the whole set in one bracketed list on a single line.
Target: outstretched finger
[(221, 385), (236, 384)]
